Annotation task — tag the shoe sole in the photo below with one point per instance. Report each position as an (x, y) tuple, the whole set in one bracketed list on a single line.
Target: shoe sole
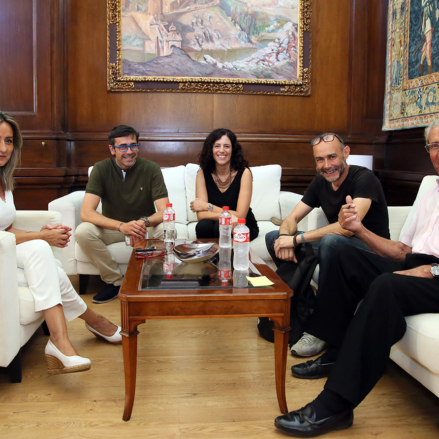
[(56, 366), (312, 377), (296, 354), (104, 301), (343, 426)]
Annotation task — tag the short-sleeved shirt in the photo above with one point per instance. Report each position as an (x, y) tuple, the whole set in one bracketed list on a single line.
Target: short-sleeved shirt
[(359, 183), (130, 198)]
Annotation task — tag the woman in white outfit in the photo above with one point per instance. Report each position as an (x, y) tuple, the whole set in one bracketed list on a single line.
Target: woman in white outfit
[(51, 289)]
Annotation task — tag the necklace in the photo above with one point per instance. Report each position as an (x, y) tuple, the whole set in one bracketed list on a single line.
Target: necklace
[(223, 184)]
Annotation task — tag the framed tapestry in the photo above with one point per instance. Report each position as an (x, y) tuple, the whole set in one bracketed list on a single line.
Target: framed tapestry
[(412, 70), (210, 46)]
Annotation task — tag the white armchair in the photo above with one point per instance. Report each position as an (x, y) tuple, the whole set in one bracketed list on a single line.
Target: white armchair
[(18, 319)]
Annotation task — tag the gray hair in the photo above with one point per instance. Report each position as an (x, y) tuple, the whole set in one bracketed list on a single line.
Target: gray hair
[(432, 124), (7, 170)]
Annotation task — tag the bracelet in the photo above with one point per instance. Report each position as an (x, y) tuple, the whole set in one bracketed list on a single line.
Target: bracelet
[(295, 240), (303, 237), (119, 226), (284, 234)]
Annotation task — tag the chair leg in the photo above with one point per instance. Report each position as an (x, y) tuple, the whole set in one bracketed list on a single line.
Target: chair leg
[(45, 328), (14, 369), (83, 283)]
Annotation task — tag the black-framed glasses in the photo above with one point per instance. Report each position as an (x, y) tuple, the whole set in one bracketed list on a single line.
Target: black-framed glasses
[(124, 148), (328, 137), (432, 146)]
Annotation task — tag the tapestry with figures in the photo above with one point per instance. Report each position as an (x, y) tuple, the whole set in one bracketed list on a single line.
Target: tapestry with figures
[(412, 70)]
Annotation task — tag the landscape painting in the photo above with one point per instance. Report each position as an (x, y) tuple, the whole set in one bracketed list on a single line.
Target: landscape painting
[(231, 46)]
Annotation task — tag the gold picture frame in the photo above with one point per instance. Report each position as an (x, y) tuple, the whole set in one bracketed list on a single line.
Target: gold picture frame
[(258, 47)]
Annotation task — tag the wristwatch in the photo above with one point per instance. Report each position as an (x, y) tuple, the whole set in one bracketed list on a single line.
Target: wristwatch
[(209, 207), (435, 270), (146, 220)]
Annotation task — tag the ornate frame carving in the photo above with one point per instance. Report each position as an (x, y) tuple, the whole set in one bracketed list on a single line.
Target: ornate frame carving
[(118, 82)]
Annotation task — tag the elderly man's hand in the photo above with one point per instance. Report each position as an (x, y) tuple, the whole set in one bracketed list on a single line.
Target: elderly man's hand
[(421, 271), (284, 248), (348, 216)]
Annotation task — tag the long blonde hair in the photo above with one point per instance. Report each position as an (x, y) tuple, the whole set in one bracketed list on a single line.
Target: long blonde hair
[(7, 171)]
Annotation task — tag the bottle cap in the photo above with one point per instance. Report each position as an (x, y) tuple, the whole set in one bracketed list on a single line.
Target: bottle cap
[(168, 204), (225, 207), (241, 220)]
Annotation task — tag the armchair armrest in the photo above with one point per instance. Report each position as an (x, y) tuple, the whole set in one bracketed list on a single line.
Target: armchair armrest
[(397, 218), (288, 201), (9, 306), (35, 220), (69, 207)]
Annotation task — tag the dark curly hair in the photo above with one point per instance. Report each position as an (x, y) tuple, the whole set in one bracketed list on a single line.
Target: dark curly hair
[(206, 160)]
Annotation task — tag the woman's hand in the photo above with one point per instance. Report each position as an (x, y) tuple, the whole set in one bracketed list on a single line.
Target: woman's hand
[(234, 221), (199, 205), (56, 235)]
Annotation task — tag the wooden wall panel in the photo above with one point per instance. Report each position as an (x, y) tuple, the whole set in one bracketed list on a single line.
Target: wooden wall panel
[(62, 45)]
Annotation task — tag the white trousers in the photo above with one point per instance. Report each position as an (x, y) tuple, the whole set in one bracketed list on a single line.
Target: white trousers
[(47, 282)]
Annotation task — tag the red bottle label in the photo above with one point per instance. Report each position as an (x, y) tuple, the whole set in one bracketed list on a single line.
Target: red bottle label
[(225, 221), (225, 274), (241, 237), (169, 217)]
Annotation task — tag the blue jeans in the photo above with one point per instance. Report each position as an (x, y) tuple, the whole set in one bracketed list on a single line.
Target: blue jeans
[(323, 248)]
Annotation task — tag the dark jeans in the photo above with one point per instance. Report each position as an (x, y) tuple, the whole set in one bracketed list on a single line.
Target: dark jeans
[(324, 248), (365, 335)]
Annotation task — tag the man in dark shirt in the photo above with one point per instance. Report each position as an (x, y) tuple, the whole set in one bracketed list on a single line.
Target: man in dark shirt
[(335, 180), (131, 190)]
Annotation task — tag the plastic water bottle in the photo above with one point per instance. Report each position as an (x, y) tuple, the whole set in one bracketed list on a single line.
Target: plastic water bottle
[(225, 266), (240, 279), (169, 232), (225, 228), (169, 265), (241, 246)]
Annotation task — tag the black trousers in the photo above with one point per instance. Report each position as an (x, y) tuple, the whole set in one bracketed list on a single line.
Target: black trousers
[(209, 229), (365, 336)]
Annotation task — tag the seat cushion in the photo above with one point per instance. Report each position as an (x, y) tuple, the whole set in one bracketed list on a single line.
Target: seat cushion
[(421, 340), (266, 192), (119, 250), (258, 244), (175, 183)]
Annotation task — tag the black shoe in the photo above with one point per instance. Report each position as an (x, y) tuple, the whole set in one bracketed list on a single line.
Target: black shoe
[(107, 295), (302, 423), (312, 369)]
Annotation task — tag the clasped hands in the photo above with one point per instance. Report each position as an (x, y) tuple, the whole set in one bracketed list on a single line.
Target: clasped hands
[(135, 229), (199, 205), (56, 235)]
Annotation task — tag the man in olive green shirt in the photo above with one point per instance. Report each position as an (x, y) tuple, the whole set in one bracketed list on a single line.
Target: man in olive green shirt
[(131, 189)]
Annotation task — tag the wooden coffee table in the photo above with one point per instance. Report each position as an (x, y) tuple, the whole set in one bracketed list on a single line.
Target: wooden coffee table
[(200, 302)]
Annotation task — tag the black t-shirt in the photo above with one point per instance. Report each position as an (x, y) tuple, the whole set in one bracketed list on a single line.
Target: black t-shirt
[(359, 183)]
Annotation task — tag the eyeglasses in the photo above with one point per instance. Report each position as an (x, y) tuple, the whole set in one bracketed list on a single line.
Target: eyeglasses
[(124, 148), (432, 146), (326, 138)]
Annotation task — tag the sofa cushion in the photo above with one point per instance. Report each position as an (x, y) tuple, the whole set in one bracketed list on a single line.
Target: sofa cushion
[(258, 244), (175, 183), (421, 340), (266, 191), (190, 179)]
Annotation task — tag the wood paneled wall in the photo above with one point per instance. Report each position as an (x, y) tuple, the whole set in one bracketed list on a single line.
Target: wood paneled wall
[(57, 91)]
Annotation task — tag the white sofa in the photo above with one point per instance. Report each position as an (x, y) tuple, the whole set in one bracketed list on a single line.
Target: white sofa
[(18, 319), (418, 351), (267, 201)]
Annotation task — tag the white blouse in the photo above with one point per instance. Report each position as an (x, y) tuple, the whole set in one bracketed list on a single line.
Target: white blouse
[(7, 211)]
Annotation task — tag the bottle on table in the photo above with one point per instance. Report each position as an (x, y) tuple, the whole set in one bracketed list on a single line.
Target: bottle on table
[(225, 228), (240, 279), (241, 246), (169, 265), (225, 266), (169, 232)]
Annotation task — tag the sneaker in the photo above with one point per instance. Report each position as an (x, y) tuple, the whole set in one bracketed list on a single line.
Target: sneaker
[(107, 295), (308, 346)]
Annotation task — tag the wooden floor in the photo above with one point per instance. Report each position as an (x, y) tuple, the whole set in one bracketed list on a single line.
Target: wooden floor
[(197, 379)]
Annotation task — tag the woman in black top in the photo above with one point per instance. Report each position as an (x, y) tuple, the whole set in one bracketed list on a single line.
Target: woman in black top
[(223, 180)]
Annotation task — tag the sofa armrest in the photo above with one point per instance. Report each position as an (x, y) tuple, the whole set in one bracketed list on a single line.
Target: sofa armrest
[(9, 305), (288, 201), (69, 207), (35, 220), (317, 219), (397, 218)]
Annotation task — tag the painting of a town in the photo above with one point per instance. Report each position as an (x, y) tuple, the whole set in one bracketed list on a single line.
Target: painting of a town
[(234, 41)]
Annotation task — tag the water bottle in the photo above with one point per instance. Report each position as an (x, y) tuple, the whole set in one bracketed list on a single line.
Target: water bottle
[(225, 266), (241, 246), (169, 231), (225, 228)]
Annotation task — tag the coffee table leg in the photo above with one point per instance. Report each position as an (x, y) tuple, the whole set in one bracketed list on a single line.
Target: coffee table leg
[(280, 364), (129, 345)]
